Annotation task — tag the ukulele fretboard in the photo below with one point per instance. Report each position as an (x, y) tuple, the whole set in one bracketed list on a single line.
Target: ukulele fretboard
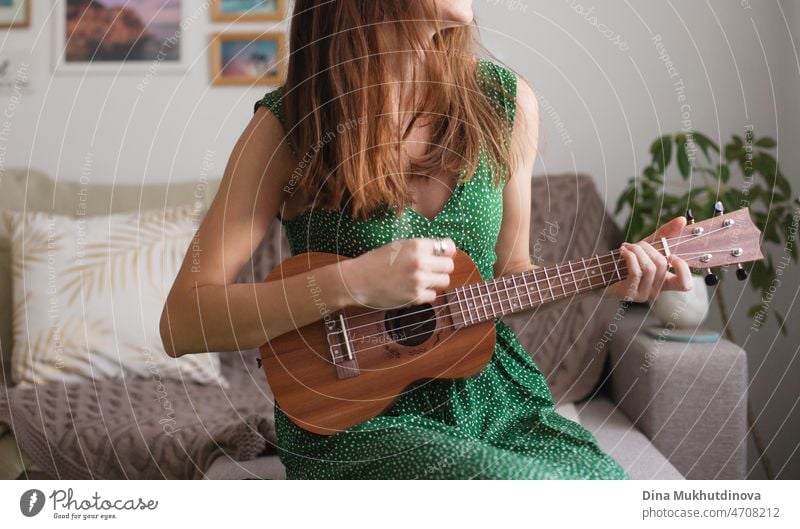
[(479, 302)]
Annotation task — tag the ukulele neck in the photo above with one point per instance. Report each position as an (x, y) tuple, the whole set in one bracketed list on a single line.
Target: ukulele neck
[(480, 302)]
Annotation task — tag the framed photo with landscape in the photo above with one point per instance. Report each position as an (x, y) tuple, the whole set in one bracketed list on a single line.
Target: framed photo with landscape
[(247, 10), (248, 58), (118, 36), (15, 13)]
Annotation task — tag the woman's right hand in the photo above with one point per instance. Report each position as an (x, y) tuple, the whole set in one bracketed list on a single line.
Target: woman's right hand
[(403, 272)]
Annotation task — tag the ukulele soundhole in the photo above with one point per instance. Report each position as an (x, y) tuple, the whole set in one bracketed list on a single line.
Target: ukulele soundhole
[(411, 326)]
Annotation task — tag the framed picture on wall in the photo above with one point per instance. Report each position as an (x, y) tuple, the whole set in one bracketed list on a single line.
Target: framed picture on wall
[(118, 36), (247, 10), (15, 13), (247, 58)]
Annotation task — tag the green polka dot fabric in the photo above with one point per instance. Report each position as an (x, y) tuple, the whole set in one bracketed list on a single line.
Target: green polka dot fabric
[(499, 424)]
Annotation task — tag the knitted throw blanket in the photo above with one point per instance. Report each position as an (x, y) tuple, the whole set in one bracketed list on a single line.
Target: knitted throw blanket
[(140, 428)]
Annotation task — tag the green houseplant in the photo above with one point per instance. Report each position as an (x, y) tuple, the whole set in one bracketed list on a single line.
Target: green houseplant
[(743, 173)]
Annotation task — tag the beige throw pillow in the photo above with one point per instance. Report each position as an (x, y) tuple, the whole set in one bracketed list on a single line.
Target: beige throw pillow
[(88, 294)]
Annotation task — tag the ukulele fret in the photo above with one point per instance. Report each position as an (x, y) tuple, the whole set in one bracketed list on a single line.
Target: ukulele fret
[(502, 289), (516, 291), (549, 286), (499, 294), (458, 292), (476, 302), (505, 291), (600, 266), (586, 273), (471, 304), (619, 276), (527, 288), (507, 286), (489, 298), (574, 281), (561, 280), (538, 289), (492, 286)]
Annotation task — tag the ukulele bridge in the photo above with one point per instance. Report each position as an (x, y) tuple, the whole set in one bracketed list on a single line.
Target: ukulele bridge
[(343, 356)]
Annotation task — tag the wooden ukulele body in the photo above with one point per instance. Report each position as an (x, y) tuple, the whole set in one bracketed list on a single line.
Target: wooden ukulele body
[(309, 387)]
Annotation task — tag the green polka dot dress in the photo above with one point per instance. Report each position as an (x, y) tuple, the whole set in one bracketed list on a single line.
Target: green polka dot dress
[(498, 424)]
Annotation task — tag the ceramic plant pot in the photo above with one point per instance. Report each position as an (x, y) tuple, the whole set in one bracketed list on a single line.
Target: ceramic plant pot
[(683, 309)]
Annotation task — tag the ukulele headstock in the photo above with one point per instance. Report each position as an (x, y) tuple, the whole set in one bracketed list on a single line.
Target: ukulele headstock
[(725, 239)]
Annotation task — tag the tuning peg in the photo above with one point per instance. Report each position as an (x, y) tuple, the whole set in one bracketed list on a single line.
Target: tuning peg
[(719, 209), (741, 273), (689, 216), (711, 278)]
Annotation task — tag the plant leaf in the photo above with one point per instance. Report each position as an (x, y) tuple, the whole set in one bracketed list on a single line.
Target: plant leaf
[(771, 232), (684, 165), (724, 173), (652, 174), (661, 149), (705, 143), (625, 198)]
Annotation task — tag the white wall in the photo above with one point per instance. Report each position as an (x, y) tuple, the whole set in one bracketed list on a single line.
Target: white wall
[(612, 102), (103, 126), (602, 103)]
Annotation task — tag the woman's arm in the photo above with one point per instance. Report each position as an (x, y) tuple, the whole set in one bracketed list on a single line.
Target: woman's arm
[(513, 242), (204, 310), (648, 269)]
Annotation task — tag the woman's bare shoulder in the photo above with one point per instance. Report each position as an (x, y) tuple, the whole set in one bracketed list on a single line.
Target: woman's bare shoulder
[(264, 143)]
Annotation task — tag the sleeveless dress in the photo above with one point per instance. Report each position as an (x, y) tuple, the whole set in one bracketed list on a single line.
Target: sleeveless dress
[(498, 424)]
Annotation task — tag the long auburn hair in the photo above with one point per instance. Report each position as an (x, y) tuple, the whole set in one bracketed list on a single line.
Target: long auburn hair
[(339, 111)]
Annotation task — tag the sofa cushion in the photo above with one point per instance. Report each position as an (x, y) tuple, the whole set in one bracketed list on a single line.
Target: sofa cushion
[(88, 294), (264, 467), (620, 439), (30, 190)]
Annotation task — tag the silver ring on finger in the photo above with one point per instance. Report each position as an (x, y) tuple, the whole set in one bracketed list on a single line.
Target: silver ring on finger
[(438, 247)]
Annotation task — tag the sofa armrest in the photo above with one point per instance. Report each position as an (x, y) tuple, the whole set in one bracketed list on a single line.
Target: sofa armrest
[(690, 399)]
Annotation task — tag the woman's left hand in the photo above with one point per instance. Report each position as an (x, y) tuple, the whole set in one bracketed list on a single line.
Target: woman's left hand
[(648, 272)]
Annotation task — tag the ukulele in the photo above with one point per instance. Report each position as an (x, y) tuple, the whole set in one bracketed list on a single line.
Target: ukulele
[(352, 364)]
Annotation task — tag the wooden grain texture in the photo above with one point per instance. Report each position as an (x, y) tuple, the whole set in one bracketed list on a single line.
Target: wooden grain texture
[(303, 378)]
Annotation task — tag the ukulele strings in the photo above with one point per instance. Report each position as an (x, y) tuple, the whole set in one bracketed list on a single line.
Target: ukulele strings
[(389, 334), (542, 301), (536, 282), (553, 298), (497, 290)]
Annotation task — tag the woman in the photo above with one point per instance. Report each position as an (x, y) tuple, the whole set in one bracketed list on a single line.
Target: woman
[(389, 137)]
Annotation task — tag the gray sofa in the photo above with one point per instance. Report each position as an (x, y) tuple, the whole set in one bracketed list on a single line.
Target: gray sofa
[(664, 410)]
